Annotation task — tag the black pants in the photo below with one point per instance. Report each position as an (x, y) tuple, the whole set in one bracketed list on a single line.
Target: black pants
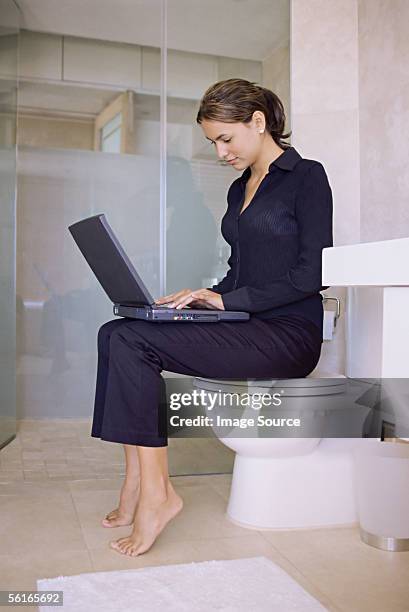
[(132, 354)]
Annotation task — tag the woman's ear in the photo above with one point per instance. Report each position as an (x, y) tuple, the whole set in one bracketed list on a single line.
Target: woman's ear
[(259, 121)]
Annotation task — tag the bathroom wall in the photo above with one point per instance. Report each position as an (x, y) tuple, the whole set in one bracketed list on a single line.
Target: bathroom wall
[(350, 110), (276, 68), (384, 118), (325, 120)]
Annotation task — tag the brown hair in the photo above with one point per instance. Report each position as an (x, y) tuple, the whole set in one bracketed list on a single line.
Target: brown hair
[(235, 100)]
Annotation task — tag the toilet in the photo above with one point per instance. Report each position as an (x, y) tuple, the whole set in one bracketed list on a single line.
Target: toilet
[(302, 481)]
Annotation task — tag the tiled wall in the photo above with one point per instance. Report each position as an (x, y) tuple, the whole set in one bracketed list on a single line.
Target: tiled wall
[(350, 110), (384, 118), (325, 120)]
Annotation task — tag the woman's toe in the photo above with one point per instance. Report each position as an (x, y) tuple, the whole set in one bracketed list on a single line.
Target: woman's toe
[(113, 522)]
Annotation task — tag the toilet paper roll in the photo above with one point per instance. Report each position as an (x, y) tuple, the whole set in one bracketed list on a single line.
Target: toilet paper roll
[(329, 324)]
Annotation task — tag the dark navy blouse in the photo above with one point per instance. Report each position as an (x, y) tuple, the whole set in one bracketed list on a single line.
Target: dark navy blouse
[(277, 241)]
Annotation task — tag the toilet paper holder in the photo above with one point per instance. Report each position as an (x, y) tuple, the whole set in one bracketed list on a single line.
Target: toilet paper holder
[(338, 307)]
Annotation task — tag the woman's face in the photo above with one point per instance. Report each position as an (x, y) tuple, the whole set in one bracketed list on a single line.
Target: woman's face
[(237, 143)]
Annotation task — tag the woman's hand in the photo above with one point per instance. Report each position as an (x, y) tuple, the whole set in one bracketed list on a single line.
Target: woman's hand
[(200, 298)]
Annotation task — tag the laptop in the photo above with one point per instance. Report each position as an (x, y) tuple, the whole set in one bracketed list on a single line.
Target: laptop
[(123, 285)]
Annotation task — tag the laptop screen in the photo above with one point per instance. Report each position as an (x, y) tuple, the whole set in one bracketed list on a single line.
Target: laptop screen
[(109, 262)]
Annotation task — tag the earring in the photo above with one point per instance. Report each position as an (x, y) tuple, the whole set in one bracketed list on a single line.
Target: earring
[(261, 131)]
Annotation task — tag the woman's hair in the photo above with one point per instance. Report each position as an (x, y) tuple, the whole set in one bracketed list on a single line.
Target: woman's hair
[(235, 100)]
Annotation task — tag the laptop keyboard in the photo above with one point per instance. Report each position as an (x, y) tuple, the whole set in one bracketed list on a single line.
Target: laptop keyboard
[(164, 307)]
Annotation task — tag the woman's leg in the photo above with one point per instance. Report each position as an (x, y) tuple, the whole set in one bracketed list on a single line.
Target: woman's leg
[(131, 412), (158, 502), (128, 499), (124, 514)]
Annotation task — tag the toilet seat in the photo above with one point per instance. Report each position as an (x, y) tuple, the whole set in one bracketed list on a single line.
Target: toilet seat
[(317, 383)]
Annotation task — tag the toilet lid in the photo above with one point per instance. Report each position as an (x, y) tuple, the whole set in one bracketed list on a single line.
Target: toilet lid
[(311, 385)]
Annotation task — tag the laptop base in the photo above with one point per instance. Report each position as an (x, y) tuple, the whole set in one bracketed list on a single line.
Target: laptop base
[(184, 315)]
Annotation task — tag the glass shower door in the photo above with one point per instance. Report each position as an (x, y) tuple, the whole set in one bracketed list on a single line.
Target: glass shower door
[(8, 113)]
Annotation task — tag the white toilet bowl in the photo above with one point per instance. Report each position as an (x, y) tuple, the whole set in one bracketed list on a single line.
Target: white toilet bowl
[(292, 482)]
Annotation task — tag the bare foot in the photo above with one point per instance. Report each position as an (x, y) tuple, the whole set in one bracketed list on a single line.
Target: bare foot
[(150, 520), (125, 513)]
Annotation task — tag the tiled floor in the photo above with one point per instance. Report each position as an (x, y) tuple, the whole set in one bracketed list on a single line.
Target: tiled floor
[(56, 483)]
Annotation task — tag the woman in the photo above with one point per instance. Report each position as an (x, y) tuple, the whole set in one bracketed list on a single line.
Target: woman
[(278, 220)]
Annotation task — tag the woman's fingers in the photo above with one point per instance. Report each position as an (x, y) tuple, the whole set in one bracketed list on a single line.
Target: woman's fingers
[(164, 300), (192, 296), (172, 296), (201, 298)]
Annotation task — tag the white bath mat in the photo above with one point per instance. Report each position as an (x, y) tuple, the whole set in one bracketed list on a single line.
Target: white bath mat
[(238, 585)]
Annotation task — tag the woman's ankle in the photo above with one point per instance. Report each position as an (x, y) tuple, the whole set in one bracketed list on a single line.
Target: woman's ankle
[(131, 483), (158, 493)]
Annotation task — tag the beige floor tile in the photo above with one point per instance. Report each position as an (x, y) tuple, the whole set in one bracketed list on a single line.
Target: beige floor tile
[(198, 456), (358, 577), (193, 480), (28, 425), (83, 476), (29, 440), (103, 466), (222, 485), (35, 475), (55, 462), (41, 488), (32, 455), (91, 507), (9, 452), (55, 454), (218, 482), (203, 515), (40, 521), (78, 465), (93, 484), (87, 441), (185, 551), (22, 570), (60, 468), (58, 476), (11, 464), (10, 475), (74, 453), (54, 437), (97, 453), (33, 464)]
